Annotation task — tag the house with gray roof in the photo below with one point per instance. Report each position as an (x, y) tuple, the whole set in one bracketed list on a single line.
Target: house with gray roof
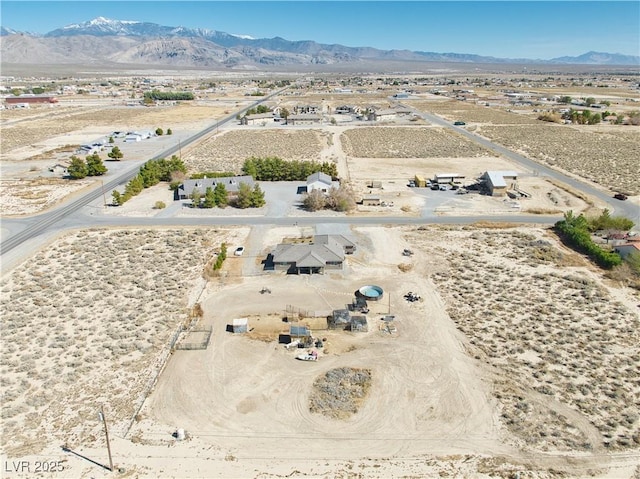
[(496, 181), (326, 252), (319, 181), (231, 183)]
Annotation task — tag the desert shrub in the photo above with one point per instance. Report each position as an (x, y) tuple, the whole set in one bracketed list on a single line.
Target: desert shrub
[(159, 205), (315, 200), (574, 231), (550, 117), (341, 198)]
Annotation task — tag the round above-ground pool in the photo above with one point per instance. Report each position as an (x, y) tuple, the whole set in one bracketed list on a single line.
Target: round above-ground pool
[(371, 292)]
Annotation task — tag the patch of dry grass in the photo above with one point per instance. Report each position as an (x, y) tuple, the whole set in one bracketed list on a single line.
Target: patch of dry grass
[(85, 322), (608, 158), (407, 142), (227, 152), (339, 392), (565, 350)]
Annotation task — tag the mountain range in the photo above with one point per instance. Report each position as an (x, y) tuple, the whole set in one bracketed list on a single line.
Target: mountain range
[(106, 41)]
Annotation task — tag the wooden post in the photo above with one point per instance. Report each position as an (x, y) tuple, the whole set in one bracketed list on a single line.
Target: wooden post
[(106, 433)]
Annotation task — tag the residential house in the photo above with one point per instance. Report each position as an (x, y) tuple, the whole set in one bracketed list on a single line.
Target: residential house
[(326, 252), (257, 119), (319, 181), (304, 119)]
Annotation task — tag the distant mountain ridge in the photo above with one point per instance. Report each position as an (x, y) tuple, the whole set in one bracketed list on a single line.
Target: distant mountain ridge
[(135, 42)]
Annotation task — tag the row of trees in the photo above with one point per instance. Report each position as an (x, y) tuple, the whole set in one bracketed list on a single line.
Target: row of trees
[(575, 231), (247, 197), (91, 166), (337, 199), (583, 117), (589, 101), (277, 169), (151, 173), (213, 197), (168, 95)]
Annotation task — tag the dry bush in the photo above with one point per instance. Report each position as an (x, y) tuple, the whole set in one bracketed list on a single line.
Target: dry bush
[(408, 142), (339, 392), (405, 267)]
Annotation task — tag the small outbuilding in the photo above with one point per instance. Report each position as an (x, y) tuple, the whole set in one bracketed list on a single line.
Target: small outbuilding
[(358, 324), (240, 325), (496, 182), (446, 178), (371, 200), (339, 319), (299, 331)]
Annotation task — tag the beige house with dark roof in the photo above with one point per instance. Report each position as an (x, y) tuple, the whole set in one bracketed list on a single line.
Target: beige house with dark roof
[(326, 252)]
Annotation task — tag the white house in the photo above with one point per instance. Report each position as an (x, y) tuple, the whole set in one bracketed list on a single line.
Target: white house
[(319, 181), (133, 137)]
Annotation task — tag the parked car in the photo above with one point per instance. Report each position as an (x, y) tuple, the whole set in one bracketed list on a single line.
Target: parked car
[(620, 196), (459, 123), (239, 251)]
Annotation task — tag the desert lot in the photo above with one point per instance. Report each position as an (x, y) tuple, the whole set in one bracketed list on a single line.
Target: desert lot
[(520, 358), (452, 388)]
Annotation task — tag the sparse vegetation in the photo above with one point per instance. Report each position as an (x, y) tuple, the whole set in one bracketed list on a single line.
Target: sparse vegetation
[(340, 392), (75, 335), (560, 344)]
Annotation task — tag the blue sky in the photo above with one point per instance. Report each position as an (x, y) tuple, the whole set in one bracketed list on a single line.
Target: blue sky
[(514, 29)]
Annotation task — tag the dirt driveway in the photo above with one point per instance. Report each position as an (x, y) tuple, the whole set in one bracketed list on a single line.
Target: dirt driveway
[(252, 396)]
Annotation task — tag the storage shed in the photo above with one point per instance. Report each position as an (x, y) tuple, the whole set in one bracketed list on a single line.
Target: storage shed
[(496, 182), (240, 325), (371, 200)]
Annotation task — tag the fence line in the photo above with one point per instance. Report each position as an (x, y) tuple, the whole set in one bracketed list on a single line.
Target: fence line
[(164, 359)]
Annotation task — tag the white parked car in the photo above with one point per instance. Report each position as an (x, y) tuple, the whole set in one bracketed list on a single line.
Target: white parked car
[(239, 251)]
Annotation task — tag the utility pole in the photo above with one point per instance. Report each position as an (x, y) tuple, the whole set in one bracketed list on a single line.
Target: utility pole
[(106, 433)]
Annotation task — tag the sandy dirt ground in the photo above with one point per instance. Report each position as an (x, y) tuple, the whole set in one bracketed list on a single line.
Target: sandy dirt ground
[(519, 360), (446, 394)]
